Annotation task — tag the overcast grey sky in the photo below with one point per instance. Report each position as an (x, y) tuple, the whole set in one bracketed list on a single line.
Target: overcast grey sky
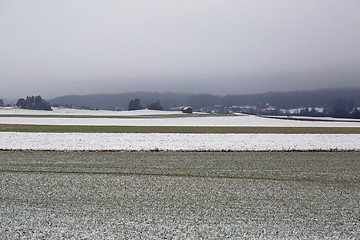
[(61, 47)]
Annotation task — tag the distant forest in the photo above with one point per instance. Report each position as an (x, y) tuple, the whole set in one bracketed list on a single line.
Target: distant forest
[(33, 103), (283, 100)]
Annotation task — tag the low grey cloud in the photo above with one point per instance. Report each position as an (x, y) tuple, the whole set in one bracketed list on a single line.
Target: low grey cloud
[(88, 46)]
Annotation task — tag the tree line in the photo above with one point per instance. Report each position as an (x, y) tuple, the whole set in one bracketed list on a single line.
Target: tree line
[(335, 102), (33, 103), (134, 104), (284, 100)]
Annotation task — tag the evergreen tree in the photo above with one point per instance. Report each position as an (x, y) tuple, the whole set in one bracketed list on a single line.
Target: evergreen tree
[(341, 105), (33, 103), (21, 103), (134, 104), (155, 106)]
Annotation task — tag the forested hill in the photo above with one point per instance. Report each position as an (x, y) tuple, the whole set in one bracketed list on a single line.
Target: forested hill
[(295, 99), (121, 101)]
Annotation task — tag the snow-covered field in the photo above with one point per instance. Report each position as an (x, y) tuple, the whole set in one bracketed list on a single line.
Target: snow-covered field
[(241, 120), (174, 142), (186, 121), (70, 111), (162, 141), (172, 195)]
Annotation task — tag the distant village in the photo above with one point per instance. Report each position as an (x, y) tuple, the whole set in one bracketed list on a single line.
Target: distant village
[(268, 110)]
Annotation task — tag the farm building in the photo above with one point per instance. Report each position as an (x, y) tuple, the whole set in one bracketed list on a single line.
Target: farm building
[(187, 110)]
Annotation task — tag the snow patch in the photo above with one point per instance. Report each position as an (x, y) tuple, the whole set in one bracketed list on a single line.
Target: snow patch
[(70, 111), (174, 142), (235, 121)]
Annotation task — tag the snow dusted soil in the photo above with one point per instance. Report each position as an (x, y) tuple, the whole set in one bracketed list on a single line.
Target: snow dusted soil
[(69, 111), (240, 120), (167, 195), (253, 121), (82, 195), (175, 142)]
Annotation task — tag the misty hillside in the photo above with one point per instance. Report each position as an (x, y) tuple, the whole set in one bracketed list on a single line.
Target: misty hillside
[(295, 99), (121, 101), (287, 100)]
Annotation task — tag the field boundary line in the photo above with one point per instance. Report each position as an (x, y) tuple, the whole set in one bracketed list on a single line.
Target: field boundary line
[(180, 176), (176, 129), (184, 151)]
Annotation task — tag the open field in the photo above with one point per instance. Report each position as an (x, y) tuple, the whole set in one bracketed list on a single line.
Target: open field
[(178, 115), (178, 142), (175, 129), (146, 118), (185, 195), (128, 190), (71, 129), (83, 112)]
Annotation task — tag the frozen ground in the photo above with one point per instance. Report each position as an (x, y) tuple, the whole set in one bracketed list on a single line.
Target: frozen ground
[(174, 142), (167, 195), (162, 120), (70, 111), (178, 121), (161, 141)]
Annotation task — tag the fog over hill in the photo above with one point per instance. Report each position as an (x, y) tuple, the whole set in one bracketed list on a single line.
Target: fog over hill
[(294, 99), (121, 101)]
